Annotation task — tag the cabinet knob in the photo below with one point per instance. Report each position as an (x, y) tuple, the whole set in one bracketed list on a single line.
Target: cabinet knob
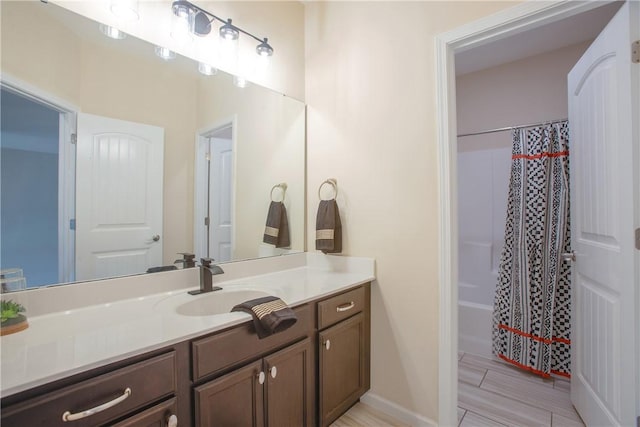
[(261, 377), (273, 371), (172, 421), (327, 344)]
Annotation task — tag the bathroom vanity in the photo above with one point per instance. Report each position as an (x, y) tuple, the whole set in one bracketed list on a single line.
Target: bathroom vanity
[(220, 373)]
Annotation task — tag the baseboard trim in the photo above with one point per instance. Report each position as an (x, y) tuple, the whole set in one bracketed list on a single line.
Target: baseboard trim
[(396, 411)]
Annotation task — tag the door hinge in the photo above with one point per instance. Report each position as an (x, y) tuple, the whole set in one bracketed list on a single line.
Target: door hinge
[(638, 243), (72, 224), (206, 221), (635, 52), (74, 138)]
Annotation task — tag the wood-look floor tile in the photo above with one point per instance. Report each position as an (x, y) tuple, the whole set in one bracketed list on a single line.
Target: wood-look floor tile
[(500, 408), (474, 420), (361, 415), (470, 373), (461, 413), (558, 420), (538, 395), (505, 368), (562, 384)]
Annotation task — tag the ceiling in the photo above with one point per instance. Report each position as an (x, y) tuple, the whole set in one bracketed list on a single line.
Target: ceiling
[(566, 32)]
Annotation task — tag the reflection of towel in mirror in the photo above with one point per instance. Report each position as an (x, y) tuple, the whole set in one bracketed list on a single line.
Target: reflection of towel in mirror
[(276, 231), (328, 227), (270, 315)]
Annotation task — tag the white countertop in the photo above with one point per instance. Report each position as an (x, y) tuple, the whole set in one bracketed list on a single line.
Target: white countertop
[(64, 343)]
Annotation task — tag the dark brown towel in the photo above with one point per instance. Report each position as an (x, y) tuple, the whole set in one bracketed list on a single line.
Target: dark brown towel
[(328, 227), (276, 232), (270, 315)]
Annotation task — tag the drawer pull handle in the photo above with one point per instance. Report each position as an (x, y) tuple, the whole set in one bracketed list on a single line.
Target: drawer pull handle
[(345, 307), (274, 371), (261, 376), (68, 416)]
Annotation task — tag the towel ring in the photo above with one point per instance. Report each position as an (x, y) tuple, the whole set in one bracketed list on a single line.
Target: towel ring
[(332, 182), (283, 187)]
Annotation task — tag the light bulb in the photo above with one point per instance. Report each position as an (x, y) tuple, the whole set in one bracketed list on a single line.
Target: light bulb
[(165, 53), (182, 26), (206, 69), (240, 82), (229, 32), (112, 32)]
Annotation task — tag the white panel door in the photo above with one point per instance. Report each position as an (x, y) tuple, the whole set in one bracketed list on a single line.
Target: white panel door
[(603, 103), (220, 194), (118, 197)]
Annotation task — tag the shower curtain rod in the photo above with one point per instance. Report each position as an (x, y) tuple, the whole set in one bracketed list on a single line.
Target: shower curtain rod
[(511, 127)]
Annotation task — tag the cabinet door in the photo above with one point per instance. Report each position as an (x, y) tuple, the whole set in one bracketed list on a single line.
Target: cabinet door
[(156, 416), (289, 391), (235, 399), (342, 367)]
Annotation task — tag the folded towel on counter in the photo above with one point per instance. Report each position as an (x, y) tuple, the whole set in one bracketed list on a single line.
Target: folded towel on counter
[(270, 315), (276, 231), (328, 227)]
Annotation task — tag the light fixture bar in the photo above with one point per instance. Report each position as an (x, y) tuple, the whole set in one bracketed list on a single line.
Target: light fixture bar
[(263, 47)]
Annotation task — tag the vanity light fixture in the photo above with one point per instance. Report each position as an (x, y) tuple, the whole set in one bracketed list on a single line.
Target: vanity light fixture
[(202, 21), (206, 69), (165, 53), (112, 32), (126, 10)]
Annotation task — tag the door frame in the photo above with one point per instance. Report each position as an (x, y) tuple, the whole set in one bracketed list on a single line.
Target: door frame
[(522, 17), (66, 167), (200, 181)]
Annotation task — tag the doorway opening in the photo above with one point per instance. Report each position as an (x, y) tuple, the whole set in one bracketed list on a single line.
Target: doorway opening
[(464, 254), (214, 196), (37, 154)]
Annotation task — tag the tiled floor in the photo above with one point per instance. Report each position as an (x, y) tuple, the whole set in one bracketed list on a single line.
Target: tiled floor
[(362, 415), (491, 393), (494, 393)]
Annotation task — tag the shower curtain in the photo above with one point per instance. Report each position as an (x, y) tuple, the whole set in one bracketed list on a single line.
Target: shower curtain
[(532, 303)]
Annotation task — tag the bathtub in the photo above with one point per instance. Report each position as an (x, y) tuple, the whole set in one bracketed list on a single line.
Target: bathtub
[(474, 325)]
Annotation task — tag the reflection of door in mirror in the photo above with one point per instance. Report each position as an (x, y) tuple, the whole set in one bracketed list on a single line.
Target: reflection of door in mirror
[(214, 193), (119, 197), (36, 173)]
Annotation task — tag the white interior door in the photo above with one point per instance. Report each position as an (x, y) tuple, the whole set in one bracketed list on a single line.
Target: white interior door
[(220, 194), (118, 197), (603, 105)]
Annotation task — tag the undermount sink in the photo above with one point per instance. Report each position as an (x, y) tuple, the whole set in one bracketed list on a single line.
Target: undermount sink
[(217, 302)]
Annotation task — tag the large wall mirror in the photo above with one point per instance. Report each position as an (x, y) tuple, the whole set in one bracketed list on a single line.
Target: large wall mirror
[(164, 159)]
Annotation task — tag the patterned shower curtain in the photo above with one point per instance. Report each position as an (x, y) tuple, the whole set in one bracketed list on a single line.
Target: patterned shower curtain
[(532, 303)]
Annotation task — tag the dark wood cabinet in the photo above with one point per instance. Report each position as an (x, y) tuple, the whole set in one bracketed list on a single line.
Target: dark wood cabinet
[(235, 399), (343, 352), (162, 415), (289, 386), (274, 391)]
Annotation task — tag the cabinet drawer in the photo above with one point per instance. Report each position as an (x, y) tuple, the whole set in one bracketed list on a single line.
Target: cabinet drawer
[(241, 344), (156, 416), (148, 381), (340, 307)]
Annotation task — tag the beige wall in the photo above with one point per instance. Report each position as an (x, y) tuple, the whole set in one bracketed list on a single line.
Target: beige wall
[(530, 90), (269, 150), (370, 90)]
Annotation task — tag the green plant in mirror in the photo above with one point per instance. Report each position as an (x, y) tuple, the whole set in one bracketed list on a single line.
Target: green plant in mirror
[(10, 310)]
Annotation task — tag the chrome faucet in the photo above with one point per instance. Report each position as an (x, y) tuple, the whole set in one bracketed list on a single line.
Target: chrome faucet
[(207, 271)]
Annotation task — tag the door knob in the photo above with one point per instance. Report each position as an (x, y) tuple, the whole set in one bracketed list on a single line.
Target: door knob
[(156, 238), (172, 421), (327, 344), (569, 256), (261, 377), (273, 371)]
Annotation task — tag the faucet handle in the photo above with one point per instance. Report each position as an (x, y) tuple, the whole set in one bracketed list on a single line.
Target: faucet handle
[(206, 262), (187, 256)]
